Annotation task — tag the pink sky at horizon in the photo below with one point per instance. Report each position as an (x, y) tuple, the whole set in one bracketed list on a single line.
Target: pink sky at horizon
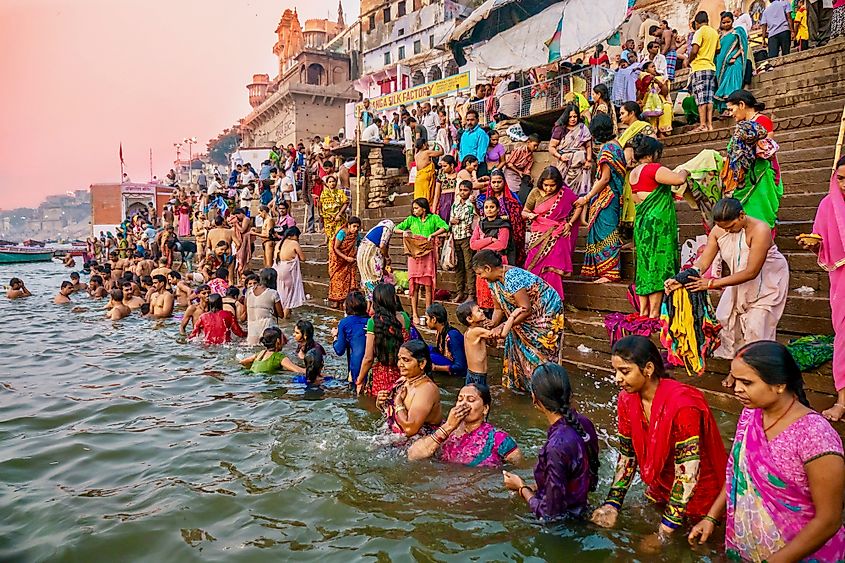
[(82, 76)]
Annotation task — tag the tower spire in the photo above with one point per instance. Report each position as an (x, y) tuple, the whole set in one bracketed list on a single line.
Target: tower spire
[(340, 21)]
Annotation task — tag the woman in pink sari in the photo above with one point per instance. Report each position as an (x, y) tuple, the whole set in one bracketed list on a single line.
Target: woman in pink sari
[(828, 240), (184, 213), (785, 472), (553, 230)]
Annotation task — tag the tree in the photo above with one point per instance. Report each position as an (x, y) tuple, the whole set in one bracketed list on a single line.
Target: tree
[(219, 153)]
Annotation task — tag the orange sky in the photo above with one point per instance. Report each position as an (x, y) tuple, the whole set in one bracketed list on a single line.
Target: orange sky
[(80, 76)]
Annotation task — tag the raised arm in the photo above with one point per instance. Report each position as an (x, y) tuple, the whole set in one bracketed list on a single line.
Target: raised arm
[(760, 244)]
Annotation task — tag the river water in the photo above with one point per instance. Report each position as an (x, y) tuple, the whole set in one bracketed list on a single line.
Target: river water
[(119, 441)]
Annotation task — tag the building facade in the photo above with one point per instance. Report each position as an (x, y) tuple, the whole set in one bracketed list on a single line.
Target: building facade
[(310, 92)]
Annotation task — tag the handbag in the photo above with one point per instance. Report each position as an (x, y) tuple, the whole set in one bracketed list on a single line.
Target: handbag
[(448, 258)]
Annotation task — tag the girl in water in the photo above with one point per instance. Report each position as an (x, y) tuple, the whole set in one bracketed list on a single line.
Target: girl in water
[(271, 359), (308, 350)]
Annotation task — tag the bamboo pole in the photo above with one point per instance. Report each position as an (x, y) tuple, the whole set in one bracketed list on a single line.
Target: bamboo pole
[(838, 150), (359, 169)]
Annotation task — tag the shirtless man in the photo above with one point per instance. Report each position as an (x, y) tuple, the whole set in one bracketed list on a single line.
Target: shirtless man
[(95, 287), (130, 297), (265, 234), (181, 289), (118, 265), (17, 289), (195, 310), (161, 300), (217, 233), (63, 297), (77, 285), (119, 310), (476, 337), (144, 267), (162, 269)]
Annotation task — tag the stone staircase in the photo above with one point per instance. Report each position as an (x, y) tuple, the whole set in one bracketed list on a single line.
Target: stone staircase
[(804, 94)]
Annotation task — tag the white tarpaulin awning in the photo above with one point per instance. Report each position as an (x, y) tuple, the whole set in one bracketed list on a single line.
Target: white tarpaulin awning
[(584, 23)]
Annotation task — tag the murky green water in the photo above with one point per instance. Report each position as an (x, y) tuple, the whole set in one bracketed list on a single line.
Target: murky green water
[(119, 442)]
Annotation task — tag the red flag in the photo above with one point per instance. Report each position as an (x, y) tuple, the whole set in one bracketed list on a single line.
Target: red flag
[(121, 152)]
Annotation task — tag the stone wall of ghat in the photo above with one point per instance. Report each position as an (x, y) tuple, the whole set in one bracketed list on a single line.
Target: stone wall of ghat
[(804, 94)]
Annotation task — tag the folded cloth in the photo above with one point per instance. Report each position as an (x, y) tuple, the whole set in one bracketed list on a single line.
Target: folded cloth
[(417, 246), (812, 350), (619, 325)]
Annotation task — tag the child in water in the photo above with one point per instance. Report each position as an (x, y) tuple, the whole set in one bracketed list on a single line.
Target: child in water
[(309, 351), (476, 336), (272, 359)]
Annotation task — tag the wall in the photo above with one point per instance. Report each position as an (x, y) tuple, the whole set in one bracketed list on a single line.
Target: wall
[(105, 204)]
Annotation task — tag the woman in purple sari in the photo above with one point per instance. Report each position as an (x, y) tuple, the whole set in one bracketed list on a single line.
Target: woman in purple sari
[(785, 472), (550, 241), (466, 437)]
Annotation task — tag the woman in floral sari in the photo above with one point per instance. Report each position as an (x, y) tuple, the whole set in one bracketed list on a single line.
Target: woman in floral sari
[(536, 335), (785, 472), (553, 229), (571, 146), (374, 256), (466, 437), (730, 61), (510, 208), (602, 204), (333, 205), (343, 265)]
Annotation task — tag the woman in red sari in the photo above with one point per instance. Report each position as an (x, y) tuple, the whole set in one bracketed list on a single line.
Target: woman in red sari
[(343, 262), (666, 430), (553, 229), (511, 210)]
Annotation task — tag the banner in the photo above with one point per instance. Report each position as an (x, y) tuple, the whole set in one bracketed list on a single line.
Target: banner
[(418, 93)]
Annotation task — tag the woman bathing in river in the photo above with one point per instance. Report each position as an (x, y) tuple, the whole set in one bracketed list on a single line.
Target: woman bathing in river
[(412, 407)]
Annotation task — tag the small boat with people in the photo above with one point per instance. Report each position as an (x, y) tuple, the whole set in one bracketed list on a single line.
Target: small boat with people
[(16, 254)]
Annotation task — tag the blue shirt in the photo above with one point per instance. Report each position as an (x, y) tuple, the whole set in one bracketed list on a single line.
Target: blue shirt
[(233, 179), (455, 344), (625, 85), (352, 341), (264, 174), (474, 141), (774, 17)]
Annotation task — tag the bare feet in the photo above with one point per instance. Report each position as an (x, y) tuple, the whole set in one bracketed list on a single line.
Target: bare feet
[(602, 280), (699, 129), (834, 413)]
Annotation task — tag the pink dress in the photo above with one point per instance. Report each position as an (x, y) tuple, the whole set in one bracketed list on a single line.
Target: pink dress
[(483, 447), (184, 213)]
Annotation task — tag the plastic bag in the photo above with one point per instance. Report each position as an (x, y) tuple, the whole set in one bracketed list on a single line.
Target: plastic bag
[(448, 258)]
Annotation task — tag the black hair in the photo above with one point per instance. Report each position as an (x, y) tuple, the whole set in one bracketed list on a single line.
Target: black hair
[(66, 284), (270, 337), (569, 109), (534, 137), (727, 209), (307, 330), (550, 173), (147, 280), (651, 31), (551, 388), (775, 366), (292, 232), (200, 289), (702, 17), (353, 221), (420, 352), (486, 258), (74, 275), (495, 201), (422, 202), (222, 273), (233, 292), (601, 127), (745, 97), (145, 308), (313, 364), (116, 294), (267, 277), (215, 302), (221, 243), (175, 274), (250, 276), (438, 312), (464, 310), (468, 159), (641, 351), (420, 143), (218, 221), (95, 278), (727, 14), (471, 111), (484, 393), (633, 107), (328, 164), (646, 146), (449, 159), (386, 327), (840, 162), (465, 184), (355, 304), (602, 92)]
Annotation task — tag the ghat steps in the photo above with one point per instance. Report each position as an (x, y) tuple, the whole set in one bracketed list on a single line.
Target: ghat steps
[(804, 94)]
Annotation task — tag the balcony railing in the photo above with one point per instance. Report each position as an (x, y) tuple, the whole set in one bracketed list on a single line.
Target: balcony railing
[(544, 96)]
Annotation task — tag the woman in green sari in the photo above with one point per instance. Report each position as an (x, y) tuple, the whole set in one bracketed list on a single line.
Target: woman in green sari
[(656, 225), (630, 118), (731, 61)]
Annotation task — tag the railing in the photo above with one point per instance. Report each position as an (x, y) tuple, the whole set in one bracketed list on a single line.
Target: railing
[(544, 96)]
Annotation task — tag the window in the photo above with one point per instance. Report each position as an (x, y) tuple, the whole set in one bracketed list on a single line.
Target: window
[(401, 52), (387, 14), (387, 58), (400, 9), (431, 42), (417, 47), (401, 32), (372, 22)]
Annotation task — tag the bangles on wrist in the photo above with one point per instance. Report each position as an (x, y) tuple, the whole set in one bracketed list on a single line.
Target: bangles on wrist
[(713, 520), (440, 435)]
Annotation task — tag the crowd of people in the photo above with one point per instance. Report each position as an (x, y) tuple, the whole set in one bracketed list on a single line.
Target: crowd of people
[(510, 239)]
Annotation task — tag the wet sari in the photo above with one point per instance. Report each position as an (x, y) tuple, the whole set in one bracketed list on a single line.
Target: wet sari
[(331, 202), (537, 339), (656, 240), (768, 493), (549, 253), (601, 257), (730, 76), (483, 447), (342, 274)]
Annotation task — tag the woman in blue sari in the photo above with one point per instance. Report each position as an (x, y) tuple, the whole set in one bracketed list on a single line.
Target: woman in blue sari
[(730, 61)]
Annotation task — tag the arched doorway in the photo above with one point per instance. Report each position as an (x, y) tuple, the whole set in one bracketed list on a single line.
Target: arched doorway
[(434, 73), (315, 74), (451, 69), (417, 78)]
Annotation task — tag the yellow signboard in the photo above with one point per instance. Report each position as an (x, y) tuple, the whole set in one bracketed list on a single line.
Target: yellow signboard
[(421, 92)]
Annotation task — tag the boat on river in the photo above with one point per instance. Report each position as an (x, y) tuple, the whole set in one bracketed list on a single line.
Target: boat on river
[(22, 254)]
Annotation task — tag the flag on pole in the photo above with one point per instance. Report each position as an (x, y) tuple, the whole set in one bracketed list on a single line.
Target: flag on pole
[(553, 43)]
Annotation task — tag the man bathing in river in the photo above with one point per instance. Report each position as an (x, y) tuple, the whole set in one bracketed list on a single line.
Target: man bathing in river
[(195, 310), (63, 297), (77, 285), (118, 310), (161, 300), (17, 289), (181, 290), (130, 298), (95, 287)]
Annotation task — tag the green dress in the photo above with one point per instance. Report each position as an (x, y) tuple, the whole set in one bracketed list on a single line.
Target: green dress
[(268, 363), (656, 240)]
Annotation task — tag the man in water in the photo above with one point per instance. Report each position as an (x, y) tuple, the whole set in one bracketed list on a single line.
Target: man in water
[(181, 289), (63, 297), (77, 285), (161, 300), (162, 269), (95, 287), (217, 233), (144, 267), (17, 289), (130, 297), (195, 310), (118, 310)]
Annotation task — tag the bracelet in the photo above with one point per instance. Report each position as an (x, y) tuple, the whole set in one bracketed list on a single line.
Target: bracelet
[(709, 283), (713, 520), (400, 408), (530, 490)]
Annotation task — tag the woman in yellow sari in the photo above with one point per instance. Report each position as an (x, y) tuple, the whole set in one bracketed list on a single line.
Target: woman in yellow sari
[(630, 120), (426, 172), (653, 92), (333, 205)]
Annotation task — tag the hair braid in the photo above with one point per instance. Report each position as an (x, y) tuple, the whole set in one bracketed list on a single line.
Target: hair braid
[(571, 418)]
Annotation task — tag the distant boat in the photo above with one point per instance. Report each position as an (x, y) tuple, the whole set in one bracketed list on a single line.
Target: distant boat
[(21, 254)]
